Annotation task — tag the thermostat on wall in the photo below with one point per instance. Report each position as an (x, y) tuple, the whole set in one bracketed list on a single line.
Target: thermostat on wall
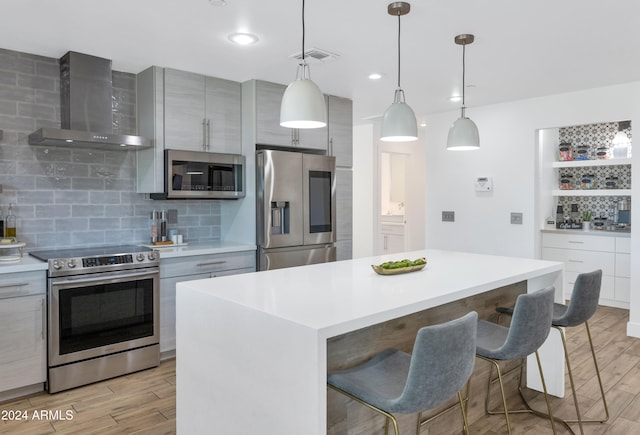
[(484, 184)]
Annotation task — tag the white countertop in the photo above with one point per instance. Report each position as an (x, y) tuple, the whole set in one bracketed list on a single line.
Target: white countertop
[(219, 247), (626, 234), (26, 264), (342, 296)]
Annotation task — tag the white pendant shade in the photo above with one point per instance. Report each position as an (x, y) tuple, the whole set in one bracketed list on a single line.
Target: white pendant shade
[(303, 104), (399, 123), (463, 135)]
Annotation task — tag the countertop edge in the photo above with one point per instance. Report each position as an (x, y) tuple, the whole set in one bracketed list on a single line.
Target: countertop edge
[(588, 233), (192, 250)]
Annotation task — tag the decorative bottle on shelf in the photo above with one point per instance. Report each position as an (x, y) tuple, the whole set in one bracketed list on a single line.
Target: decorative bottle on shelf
[(163, 226), (10, 223), (153, 226), (1, 222)]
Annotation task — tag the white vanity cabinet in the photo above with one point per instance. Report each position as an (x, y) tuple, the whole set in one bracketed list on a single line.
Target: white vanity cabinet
[(23, 326), (391, 238), (188, 268), (588, 252)]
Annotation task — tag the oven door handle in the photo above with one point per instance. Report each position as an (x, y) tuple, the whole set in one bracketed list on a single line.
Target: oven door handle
[(82, 280)]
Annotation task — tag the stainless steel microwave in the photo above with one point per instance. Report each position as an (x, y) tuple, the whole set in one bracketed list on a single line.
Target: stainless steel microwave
[(202, 175)]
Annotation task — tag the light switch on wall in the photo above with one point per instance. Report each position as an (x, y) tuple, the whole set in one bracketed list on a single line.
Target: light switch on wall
[(448, 216), (516, 218)]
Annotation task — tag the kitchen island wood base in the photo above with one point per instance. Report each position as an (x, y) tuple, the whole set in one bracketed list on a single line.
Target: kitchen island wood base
[(347, 416), (253, 350)]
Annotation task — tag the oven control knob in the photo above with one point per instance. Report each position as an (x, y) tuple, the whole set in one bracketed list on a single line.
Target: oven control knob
[(151, 256), (71, 263), (140, 257), (57, 265)]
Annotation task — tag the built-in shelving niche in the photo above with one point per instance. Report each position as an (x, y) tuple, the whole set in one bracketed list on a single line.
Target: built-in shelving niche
[(600, 201)]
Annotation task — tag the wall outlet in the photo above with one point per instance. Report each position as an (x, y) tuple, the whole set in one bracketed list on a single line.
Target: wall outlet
[(448, 216), (516, 218), (172, 216)]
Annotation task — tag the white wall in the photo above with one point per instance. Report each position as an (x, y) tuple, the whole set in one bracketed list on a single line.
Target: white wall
[(508, 137), (364, 190)]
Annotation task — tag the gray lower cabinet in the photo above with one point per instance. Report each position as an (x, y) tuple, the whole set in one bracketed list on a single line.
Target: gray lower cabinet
[(23, 325), (344, 213), (186, 111), (189, 268), (268, 97), (340, 130)]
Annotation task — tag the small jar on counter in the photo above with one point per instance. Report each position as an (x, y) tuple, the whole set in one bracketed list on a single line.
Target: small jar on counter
[(582, 152), (611, 182), (588, 181), (603, 152), (566, 182), (565, 152)]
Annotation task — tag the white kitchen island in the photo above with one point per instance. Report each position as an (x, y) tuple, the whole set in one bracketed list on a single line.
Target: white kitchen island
[(252, 348)]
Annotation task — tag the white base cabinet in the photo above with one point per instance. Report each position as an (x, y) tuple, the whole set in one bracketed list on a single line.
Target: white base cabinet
[(189, 268), (585, 253), (23, 326)]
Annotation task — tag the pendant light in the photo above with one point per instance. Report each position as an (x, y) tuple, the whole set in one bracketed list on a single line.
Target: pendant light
[(463, 133), (399, 122), (303, 103)]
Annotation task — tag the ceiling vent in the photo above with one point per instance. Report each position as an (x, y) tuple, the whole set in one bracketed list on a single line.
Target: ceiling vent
[(315, 55)]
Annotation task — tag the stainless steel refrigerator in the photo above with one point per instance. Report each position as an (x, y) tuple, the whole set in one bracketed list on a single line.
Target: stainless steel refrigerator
[(296, 209)]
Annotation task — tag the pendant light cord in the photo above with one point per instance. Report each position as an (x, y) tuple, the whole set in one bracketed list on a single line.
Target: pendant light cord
[(302, 31), (398, 50), (463, 72)]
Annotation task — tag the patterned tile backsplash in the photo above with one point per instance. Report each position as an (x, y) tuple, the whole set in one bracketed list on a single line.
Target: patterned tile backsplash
[(593, 137), (67, 197)]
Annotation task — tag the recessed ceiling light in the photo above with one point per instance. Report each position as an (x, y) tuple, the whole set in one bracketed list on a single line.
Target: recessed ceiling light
[(375, 76), (243, 38), (217, 2), (455, 98)]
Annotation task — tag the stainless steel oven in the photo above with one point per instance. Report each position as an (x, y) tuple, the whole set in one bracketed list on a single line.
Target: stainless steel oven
[(103, 314)]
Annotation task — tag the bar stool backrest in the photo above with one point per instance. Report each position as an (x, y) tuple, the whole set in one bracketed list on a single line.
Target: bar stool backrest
[(442, 361), (584, 300), (530, 325)]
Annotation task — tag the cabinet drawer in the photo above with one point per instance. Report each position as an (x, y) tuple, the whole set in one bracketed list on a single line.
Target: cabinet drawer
[(623, 244), (206, 263), (623, 289), (607, 288), (392, 229), (23, 357), (582, 261), (579, 241), (22, 284), (623, 265)]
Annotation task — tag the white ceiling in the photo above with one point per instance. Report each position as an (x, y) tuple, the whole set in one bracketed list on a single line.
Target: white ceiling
[(522, 49)]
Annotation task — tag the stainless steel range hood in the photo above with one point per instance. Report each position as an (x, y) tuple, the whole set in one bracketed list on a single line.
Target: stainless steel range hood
[(85, 108)]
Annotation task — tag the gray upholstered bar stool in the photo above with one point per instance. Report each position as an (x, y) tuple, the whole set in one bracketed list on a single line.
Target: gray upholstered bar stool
[(582, 305), (530, 326), (393, 381)]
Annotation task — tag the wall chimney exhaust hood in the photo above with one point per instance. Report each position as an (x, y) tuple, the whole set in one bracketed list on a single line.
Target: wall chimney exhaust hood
[(85, 108)]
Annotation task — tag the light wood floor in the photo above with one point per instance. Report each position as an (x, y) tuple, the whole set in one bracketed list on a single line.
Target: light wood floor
[(144, 402)]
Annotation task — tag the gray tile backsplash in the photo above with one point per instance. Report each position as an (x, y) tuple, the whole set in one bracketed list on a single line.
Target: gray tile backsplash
[(77, 197)]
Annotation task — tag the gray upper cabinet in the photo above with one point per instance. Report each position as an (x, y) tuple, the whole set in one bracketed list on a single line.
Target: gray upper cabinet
[(186, 111), (341, 130), (201, 113), (268, 129)]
